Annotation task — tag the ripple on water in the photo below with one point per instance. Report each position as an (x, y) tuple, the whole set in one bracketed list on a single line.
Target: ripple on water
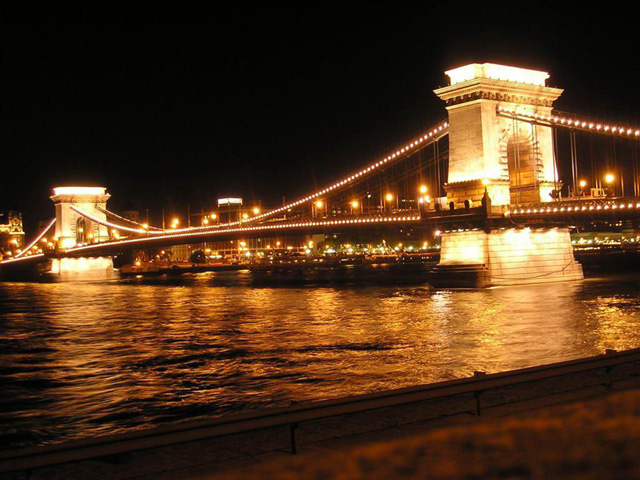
[(93, 358)]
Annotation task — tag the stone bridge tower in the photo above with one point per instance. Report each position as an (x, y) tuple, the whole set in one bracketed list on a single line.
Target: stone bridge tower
[(514, 161), (73, 228)]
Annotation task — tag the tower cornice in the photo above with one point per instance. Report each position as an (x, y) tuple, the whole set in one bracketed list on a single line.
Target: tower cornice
[(498, 90)]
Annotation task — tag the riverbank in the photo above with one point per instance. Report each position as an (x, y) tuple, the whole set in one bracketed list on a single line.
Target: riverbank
[(594, 439)]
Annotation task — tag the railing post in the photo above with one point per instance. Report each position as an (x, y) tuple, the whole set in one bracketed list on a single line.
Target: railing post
[(609, 370), (292, 434), (477, 394)]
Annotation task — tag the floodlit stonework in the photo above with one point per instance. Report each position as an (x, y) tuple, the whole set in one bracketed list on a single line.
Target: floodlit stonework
[(514, 158), (72, 228), (513, 256), (514, 161)]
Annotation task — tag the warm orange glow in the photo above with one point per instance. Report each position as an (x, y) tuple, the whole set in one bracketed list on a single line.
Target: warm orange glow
[(497, 72), (388, 197), (79, 190), (245, 215), (319, 204), (423, 189), (355, 204), (256, 210), (583, 183), (609, 178)]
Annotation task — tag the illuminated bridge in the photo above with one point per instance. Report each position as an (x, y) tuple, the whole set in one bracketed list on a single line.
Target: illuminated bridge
[(502, 181)]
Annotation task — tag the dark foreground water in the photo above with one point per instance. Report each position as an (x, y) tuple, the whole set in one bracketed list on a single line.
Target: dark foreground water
[(90, 358)]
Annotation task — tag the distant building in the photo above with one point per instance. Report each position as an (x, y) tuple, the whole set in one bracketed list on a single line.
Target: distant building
[(230, 209), (11, 232)]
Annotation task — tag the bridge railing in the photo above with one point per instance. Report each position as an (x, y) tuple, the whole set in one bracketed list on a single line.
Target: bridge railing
[(293, 416)]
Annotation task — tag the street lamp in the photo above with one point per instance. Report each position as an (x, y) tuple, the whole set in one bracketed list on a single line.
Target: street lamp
[(582, 184), (423, 189), (317, 206), (609, 178)]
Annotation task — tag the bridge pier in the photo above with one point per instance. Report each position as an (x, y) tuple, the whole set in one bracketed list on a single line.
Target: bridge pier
[(96, 266), (477, 259), (499, 161)]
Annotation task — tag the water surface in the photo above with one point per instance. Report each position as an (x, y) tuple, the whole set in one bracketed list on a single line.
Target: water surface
[(86, 358)]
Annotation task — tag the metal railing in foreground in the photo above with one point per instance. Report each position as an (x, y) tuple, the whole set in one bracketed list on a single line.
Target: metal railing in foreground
[(36, 457)]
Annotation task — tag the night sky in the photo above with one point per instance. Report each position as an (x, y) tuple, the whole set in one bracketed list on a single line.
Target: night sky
[(180, 106)]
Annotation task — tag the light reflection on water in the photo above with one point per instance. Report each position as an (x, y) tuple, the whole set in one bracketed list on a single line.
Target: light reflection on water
[(89, 358)]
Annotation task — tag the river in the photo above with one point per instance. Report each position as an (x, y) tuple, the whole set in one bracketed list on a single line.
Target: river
[(93, 357)]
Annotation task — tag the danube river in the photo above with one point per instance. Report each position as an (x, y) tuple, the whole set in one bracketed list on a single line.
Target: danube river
[(88, 358)]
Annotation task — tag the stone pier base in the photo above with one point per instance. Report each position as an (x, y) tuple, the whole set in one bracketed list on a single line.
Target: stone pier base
[(85, 267), (476, 259)]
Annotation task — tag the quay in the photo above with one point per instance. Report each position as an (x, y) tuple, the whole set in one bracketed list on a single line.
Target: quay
[(227, 445)]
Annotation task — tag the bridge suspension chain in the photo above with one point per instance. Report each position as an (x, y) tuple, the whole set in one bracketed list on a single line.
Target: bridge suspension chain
[(123, 219), (570, 121), (38, 238)]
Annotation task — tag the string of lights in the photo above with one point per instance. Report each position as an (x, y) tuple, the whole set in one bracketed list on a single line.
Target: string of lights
[(107, 223), (432, 135), (38, 238), (256, 228), (575, 209), (126, 220), (573, 122), (20, 259)]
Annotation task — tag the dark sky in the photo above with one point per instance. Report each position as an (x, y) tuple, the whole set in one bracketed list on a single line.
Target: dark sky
[(167, 107)]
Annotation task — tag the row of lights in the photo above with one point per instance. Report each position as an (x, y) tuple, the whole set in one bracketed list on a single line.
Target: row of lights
[(429, 136), (258, 228), (176, 221), (573, 209), (38, 238), (107, 223), (388, 197), (572, 122), (145, 226), (19, 259)]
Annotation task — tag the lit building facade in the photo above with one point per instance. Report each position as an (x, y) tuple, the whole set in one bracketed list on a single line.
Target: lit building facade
[(11, 232)]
